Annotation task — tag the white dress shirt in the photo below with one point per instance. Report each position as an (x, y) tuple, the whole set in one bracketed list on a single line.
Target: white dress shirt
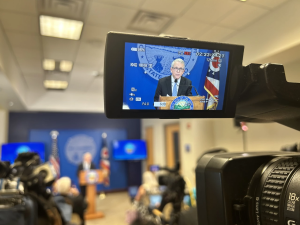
[(173, 83), (86, 165)]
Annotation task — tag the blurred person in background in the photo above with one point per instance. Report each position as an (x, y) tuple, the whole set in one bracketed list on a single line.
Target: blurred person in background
[(70, 203), (150, 184), (86, 164)]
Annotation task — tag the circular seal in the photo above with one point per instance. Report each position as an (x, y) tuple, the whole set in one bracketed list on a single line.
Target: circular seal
[(91, 177), (159, 59), (182, 103), (129, 148), (215, 62), (77, 146)]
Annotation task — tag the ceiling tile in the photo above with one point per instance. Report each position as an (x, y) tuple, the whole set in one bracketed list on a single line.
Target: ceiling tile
[(90, 54), (59, 49), (185, 28), (30, 65), (81, 70), (20, 22), (242, 16), (27, 53), (210, 11), (91, 32), (267, 3), (96, 87), (166, 7), (35, 82), (110, 15), (24, 40), (80, 83), (23, 6), (128, 3), (216, 33)]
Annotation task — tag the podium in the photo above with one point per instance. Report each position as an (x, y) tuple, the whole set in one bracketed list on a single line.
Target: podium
[(198, 101), (90, 178)]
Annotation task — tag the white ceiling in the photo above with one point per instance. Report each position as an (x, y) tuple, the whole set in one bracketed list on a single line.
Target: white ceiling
[(267, 28)]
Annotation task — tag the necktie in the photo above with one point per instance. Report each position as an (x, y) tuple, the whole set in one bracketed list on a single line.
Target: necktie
[(174, 93)]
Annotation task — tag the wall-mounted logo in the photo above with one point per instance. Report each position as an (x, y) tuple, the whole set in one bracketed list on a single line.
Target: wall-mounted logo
[(160, 58), (22, 149), (129, 148), (182, 103), (78, 145)]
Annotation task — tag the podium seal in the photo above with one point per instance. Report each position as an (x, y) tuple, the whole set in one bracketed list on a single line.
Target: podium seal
[(91, 177), (182, 103)]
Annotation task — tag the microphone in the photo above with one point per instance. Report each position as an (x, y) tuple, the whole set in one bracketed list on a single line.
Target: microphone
[(191, 86), (195, 90), (176, 80)]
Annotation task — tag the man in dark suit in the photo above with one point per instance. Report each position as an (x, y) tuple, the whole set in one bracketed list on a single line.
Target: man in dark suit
[(174, 85), (87, 164)]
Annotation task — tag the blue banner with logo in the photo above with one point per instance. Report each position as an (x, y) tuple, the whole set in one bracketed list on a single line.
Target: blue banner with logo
[(145, 64), (72, 144)]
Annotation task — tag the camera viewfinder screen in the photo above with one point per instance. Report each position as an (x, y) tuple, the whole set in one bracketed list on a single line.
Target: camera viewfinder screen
[(173, 78)]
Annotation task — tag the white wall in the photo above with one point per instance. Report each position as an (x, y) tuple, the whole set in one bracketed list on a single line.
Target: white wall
[(259, 137), (204, 134), (3, 127), (197, 133)]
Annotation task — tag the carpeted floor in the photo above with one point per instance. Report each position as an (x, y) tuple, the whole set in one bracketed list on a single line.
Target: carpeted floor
[(114, 207)]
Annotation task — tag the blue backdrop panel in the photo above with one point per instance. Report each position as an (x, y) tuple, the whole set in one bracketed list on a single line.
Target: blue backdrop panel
[(72, 144), (145, 80)]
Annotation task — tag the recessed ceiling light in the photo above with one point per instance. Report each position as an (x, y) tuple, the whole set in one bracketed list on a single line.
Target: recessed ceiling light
[(243, 0), (55, 84), (11, 104), (65, 66), (60, 27), (49, 64)]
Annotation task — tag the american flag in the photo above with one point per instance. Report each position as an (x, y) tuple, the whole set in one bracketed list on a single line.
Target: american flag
[(54, 158), (212, 81), (104, 162)]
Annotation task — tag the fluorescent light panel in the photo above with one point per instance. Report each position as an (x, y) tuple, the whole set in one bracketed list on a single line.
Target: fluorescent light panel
[(55, 84), (49, 64), (60, 27), (65, 66)]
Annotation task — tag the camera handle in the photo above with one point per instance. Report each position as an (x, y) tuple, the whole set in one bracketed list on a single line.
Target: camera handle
[(266, 96)]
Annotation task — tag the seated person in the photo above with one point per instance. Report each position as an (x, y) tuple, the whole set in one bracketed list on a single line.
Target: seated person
[(150, 184), (175, 84), (68, 199)]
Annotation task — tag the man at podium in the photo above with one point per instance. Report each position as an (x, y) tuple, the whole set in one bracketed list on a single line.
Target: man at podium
[(174, 85), (86, 164)]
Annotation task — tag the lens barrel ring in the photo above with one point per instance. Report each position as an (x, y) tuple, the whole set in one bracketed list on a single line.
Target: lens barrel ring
[(273, 188)]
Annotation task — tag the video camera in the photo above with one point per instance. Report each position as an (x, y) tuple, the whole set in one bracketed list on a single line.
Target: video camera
[(232, 188)]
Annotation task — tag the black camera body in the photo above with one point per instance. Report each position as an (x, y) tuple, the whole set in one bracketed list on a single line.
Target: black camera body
[(248, 188)]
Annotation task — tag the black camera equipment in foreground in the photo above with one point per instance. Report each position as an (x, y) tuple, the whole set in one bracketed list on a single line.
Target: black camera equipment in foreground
[(33, 203), (174, 193), (232, 188), (248, 188)]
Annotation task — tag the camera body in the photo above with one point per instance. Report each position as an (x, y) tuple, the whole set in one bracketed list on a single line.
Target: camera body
[(248, 188)]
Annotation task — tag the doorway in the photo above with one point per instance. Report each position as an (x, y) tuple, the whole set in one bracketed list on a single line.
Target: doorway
[(172, 134), (149, 141)]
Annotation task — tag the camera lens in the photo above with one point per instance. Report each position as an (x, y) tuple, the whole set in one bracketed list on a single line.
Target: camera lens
[(275, 189)]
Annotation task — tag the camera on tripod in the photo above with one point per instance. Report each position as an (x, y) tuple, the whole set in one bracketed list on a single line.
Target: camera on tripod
[(24, 197), (245, 188)]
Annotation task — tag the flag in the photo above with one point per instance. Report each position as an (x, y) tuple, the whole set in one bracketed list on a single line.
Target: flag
[(54, 158), (212, 81), (104, 161)]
